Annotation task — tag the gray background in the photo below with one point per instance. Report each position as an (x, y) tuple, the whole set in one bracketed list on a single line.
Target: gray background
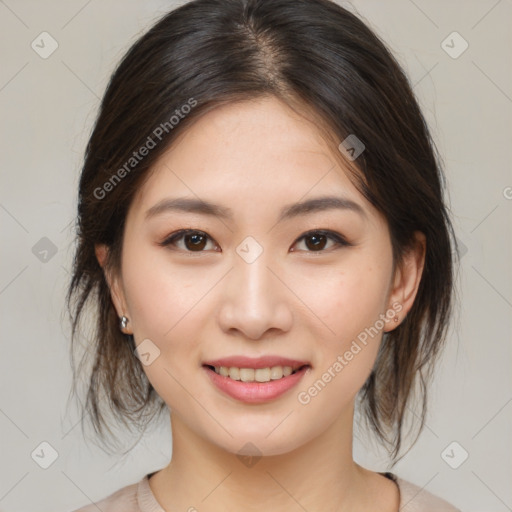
[(48, 107)]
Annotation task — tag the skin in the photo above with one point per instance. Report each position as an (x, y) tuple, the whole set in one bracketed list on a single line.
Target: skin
[(255, 157)]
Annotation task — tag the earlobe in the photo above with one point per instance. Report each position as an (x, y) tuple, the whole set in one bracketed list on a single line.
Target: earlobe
[(407, 279)]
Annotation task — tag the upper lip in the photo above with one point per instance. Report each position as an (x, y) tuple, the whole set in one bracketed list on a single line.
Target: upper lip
[(258, 362)]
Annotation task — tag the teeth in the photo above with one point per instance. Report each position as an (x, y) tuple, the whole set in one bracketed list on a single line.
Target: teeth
[(254, 375)]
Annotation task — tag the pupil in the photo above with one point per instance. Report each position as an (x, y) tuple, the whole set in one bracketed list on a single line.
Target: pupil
[(320, 239), (197, 241)]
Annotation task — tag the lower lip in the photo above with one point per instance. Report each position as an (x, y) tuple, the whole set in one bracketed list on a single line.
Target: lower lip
[(255, 392)]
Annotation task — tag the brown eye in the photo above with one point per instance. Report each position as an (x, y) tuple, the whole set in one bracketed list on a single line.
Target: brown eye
[(195, 242), (316, 241), (188, 240)]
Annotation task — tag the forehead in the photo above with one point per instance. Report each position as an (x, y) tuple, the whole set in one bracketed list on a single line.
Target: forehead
[(258, 151)]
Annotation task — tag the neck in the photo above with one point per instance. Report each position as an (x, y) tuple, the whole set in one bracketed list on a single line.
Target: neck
[(318, 475)]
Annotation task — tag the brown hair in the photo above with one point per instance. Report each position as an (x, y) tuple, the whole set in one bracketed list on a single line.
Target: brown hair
[(319, 57)]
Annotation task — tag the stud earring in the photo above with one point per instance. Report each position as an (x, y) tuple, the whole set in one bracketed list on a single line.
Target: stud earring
[(123, 322), (396, 319)]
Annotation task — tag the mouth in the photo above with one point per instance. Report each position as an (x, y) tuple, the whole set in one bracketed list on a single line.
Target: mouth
[(262, 375), (256, 385)]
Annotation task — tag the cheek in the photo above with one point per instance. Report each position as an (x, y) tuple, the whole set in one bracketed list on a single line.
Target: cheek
[(166, 308), (349, 302), (346, 299), (157, 295)]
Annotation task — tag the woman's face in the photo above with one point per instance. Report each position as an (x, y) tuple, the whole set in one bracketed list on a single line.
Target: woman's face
[(250, 283)]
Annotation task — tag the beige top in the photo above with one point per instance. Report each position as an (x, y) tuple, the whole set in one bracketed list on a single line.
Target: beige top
[(138, 497)]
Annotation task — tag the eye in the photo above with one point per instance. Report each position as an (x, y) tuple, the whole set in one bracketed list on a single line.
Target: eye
[(316, 241), (193, 240)]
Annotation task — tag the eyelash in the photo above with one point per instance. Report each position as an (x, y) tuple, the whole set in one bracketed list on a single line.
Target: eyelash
[(332, 235)]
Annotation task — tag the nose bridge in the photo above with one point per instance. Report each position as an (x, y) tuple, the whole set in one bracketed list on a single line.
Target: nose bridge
[(252, 275), (253, 279), (254, 299)]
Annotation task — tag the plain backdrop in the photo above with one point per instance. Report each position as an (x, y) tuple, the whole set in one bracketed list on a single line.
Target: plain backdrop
[(48, 106)]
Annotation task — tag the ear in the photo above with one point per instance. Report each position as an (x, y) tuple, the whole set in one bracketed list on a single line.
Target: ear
[(113, 281), (406, 280)]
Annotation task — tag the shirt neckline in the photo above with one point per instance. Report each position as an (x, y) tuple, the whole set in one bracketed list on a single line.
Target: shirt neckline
[(147, 501), (145, 497)]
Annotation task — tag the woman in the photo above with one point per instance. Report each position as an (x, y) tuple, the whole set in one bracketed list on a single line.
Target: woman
[(263, 235)]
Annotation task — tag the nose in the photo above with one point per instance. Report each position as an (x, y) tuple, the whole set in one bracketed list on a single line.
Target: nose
[(254, 299)]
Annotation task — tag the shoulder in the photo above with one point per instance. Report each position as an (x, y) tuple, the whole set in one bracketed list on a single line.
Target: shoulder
[(123, 500), (415, 499)]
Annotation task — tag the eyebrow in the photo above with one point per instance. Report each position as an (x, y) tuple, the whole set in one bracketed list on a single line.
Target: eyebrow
[(193, 205)]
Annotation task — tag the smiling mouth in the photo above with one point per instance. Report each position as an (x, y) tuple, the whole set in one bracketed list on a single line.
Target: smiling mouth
[(256, 374)]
